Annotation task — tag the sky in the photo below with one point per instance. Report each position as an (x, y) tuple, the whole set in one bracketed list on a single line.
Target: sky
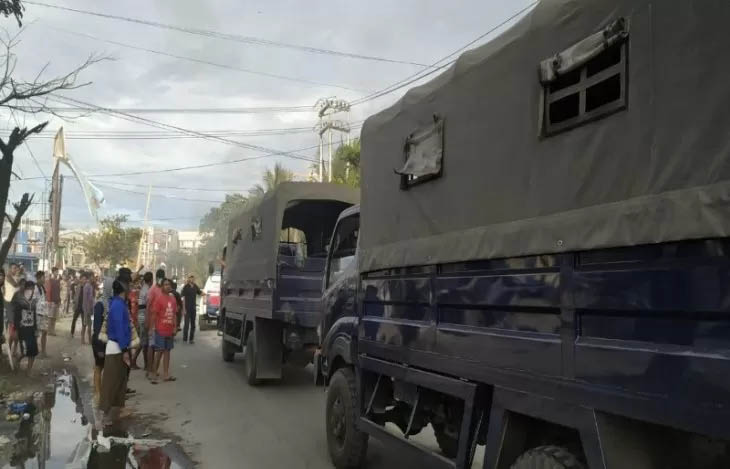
[(415, 31)]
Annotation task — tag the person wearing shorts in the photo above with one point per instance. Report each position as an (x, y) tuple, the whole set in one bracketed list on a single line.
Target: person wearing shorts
[(164, 314), (25, 322)]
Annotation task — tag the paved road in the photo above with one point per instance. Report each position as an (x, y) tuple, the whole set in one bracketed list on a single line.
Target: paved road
[(225, 423)]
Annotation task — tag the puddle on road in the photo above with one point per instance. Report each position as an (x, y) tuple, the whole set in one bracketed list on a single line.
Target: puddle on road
[(59, 433)]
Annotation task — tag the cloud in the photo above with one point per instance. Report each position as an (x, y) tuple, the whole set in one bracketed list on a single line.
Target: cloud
[(413, 30)]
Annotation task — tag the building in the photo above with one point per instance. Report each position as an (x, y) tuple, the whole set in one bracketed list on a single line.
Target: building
[(71, 250), (189, 241), (157, 244), (28, 243)]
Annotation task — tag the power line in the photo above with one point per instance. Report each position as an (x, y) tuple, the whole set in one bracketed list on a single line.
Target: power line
[(25, 141), (182, 168), (156, 186), (230, 37), (160, 125), (435, 67), (169, 135), (205, 62), (214, 110), (109, 186), (141, 135), (195, 189)]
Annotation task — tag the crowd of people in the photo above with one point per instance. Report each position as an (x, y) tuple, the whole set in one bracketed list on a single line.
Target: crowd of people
[(122, 317)]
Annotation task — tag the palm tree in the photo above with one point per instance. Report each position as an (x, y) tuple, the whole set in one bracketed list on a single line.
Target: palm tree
[(271, 179)]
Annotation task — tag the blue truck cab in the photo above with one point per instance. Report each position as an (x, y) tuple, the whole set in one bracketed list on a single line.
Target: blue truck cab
[(538, 273)]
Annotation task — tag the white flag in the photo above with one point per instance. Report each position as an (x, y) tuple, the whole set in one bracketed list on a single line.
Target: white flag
[(94, 197)]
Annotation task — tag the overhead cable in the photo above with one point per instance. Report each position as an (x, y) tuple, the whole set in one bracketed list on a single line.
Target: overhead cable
[(229, 36)]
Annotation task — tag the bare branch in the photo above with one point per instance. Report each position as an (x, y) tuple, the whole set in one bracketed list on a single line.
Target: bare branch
[(15, 93), (20, 208)]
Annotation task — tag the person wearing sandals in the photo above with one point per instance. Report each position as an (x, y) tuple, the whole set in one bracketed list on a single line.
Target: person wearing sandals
[(116, 362), (26, 323), (164, 313)]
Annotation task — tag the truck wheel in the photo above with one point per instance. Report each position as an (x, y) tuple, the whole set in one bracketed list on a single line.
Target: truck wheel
[(448, 444), (547, 457), (251, 359), (347, 445), (228, 350)]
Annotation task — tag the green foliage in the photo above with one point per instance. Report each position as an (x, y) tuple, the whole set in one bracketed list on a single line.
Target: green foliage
[(214, 225), (345, 164), (113, 244), (12, 7), (271, 178), (181, 264)]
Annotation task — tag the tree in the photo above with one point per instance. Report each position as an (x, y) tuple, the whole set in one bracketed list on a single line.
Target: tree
[(20, 209), (272, 177), (113, 244), (25, 97), (214, 225), (12, 7), (345, 164)]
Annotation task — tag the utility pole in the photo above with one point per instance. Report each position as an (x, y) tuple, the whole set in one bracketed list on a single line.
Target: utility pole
[(327, 107), (55, 199), (143, 238)]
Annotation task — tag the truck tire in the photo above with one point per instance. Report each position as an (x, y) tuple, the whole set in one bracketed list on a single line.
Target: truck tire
[(251, 359), (347, 445), (448, 444), (547, 457), (228, 350)]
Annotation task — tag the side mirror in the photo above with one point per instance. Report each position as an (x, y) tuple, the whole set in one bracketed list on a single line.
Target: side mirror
[(211, 269)]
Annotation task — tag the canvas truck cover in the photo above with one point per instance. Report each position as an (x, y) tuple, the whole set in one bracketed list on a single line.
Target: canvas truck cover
[(253, 236), (490, 181)]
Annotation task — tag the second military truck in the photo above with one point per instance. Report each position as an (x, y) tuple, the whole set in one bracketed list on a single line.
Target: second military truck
[(271, 287)]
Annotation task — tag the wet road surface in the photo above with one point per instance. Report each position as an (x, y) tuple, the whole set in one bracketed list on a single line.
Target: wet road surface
[(59, 429), (225, 423)]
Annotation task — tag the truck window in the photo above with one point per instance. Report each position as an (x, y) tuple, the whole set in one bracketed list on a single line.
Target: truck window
[(587, 81), (343, 247), (424, 150)]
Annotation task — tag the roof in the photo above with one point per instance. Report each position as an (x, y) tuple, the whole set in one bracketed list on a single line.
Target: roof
[(255, 259)]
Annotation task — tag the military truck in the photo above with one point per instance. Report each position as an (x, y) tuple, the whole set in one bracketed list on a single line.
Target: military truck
[(541, 276), (274, 262)]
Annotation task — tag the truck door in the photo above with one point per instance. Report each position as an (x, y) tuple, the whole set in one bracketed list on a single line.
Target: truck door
[(340, 281)]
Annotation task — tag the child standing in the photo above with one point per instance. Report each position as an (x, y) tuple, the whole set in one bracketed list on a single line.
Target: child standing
[(26, 322)]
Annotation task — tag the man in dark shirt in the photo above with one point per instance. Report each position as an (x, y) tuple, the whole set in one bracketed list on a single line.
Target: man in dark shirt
[(190, 294)]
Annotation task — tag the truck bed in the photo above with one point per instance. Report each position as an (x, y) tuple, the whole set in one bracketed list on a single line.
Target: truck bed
[(641, 331)]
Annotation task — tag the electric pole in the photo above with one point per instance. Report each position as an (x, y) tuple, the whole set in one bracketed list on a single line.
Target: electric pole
[(143, 238), (328, 107)]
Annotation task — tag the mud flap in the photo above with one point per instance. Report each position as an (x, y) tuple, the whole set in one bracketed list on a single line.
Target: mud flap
[(269, 348)]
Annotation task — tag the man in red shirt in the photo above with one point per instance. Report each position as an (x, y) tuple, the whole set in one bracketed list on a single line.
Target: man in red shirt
[(164, 315), (154, 291)]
